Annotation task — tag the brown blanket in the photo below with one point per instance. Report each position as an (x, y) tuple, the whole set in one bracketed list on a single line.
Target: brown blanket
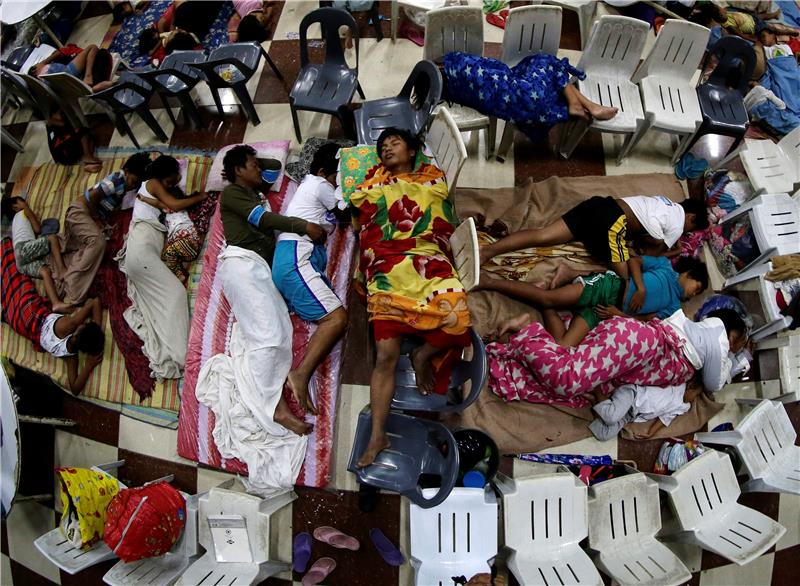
[(525, 427)]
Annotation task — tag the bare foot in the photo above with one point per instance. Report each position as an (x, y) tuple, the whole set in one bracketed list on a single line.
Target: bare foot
[(514, 324), (62, 307), (423, 371), (578, 111), (599, 112), (298, 384), (374, 447), (287, 419)]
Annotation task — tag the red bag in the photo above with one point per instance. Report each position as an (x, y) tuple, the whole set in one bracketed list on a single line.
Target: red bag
[(144, 522)]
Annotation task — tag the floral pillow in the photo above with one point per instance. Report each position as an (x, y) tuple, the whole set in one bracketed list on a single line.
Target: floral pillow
[(354, 163)]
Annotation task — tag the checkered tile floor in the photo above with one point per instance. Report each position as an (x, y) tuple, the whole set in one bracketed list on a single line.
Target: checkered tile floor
[(149, 452)]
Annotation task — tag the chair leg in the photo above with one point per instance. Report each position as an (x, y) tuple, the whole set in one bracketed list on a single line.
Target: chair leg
[(271, 63), (151, 121), (701, 132), (682, 148), (296, 122), (491, 137), (735, 145), (126, 129), (217, 101), (376, 21), (360, 91), (395, 17), (506, 141), (642, 126), (165, 101), (732, 154), (240, 89), (190, 110), (573, 132)]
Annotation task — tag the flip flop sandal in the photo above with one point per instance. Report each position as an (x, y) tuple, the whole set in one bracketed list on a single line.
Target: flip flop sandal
[(319, 571), (336, 538), (388, 550), (301, 552), (496, 20)]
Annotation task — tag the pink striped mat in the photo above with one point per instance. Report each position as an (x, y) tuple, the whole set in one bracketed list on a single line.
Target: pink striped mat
[(210, 333)]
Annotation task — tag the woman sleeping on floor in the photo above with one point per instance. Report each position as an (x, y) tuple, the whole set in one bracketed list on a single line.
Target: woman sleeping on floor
[(404, 220)]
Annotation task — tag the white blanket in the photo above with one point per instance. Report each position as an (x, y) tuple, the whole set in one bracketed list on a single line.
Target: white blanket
[(243, 389)]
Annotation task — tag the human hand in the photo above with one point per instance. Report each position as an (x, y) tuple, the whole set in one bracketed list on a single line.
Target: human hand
[(637, 300), (607, 311), (316, 232), (93, 361)]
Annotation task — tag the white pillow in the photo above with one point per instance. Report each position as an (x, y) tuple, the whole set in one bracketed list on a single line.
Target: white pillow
[(277, 149)]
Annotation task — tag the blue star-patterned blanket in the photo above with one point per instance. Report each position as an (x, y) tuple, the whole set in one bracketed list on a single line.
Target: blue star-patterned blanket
[(530, 94), (126, 41)]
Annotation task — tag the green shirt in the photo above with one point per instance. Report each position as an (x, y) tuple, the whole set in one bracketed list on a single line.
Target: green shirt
[(249, 225)]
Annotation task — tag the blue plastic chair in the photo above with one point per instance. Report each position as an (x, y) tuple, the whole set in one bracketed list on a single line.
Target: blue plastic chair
[(419, 447), (175, 79)]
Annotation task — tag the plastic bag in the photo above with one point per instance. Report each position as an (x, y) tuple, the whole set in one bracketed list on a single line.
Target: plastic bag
[(85, 494)]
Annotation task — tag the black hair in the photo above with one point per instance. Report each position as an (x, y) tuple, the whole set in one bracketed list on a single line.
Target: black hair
[(119, 13), (103, 64), (732, 321), (325, 159), (137, 164), (236, 157), (148, 40), (180, 41), (251, 29), (7, 206), (90, 339), (698, 208), (697, 270), (412, 142), (164, 166)]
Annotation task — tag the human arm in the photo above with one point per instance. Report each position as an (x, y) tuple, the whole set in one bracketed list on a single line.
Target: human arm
[(33, 218), (67, 324), (609, 311), (77, 380), (637, 299), (174, 203)]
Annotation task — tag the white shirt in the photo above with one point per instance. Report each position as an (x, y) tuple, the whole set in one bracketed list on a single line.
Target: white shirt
[(177, 221), (144, 211), (312, 201), (666, 403), (705, 345), (780, 50), (48, 339), (661, 217), (21, 229)]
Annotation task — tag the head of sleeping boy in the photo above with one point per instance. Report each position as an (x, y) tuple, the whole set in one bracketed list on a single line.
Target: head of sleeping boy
[(165, 169), (11, 205), (253, 27), (325, 164), (695, 215), (87, 338), (692, 276)]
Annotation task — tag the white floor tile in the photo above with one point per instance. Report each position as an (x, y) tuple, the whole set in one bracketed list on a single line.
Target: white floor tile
[(90, 31), (394, 61), (289, 24), (480, 172), (756, 573), (36, 151), (281, 536), (651, 155), (142, 131), (352, 399), (5, 570), (143, 438), (732, 411), (208, 479), (276, 124), (27, 521), (789, 517)]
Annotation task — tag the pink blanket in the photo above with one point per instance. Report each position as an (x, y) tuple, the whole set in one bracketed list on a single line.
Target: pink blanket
[(210, 333)]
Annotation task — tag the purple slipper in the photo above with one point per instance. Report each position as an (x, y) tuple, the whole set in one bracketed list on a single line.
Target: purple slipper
[(390, 554), (301, 552)]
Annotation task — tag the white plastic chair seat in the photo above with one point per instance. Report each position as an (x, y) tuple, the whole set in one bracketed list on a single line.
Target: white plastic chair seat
[(466, 253), (56, 548), (618, 93), (651, 562), (160, 571), (770, 168), (740, 534), (673, 106), (207, 570), (566, 566), (789, 359), (784, 473), (466, 118)]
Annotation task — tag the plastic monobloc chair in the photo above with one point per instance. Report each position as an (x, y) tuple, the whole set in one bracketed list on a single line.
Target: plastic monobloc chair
[(376, 115), (609, 61), (624, 517), (585, 10), (232, 66), (669, 96), (474, 370), (326, 87), (454, 538), (447, 145), (771, 167), (702, 495), (163, 570), (530, 30), (545, 518), (10, 141), (131, 94), (764, 440), (72, 91), (722, 96), (459, 28), (176, 79), (772, 320), (230, 499), (417, 448)]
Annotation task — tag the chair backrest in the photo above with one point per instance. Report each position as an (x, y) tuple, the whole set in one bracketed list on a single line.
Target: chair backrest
[(330, 20), (736, 61), (454, 28), (766, 432), (43, 96), (67, 86), (447, 144), (679, 47), (789, 357), (425, 77), (790, 146), (544, 513), (623, 511), (13, 84), (704, 489), (776, 223), (179, 61), (615, 47), (460, 529), (531, 30)]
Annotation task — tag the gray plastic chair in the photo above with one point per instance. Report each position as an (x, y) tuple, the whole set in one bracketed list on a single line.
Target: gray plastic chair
[(175, 79), (131, 94), (46, 100), (8, 140), (408, 398), (415, 451), (14, 88), (238, 62), (17, 57), (70, 90), (398, 112), (325, 87)]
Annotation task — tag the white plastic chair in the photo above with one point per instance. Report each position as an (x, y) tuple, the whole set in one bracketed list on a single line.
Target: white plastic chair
[(226, 500), (545, 518), (71, 91), (624, 517), (773, 320), (771, 167), (610, 59), (166, 569), (668, 94), (529, 30), (459, 28), (702, 496), (789, 360), (466, 253), (448, 148), (457, 537), (56, 548), (775, 219), (585, 9), (764, 440)]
